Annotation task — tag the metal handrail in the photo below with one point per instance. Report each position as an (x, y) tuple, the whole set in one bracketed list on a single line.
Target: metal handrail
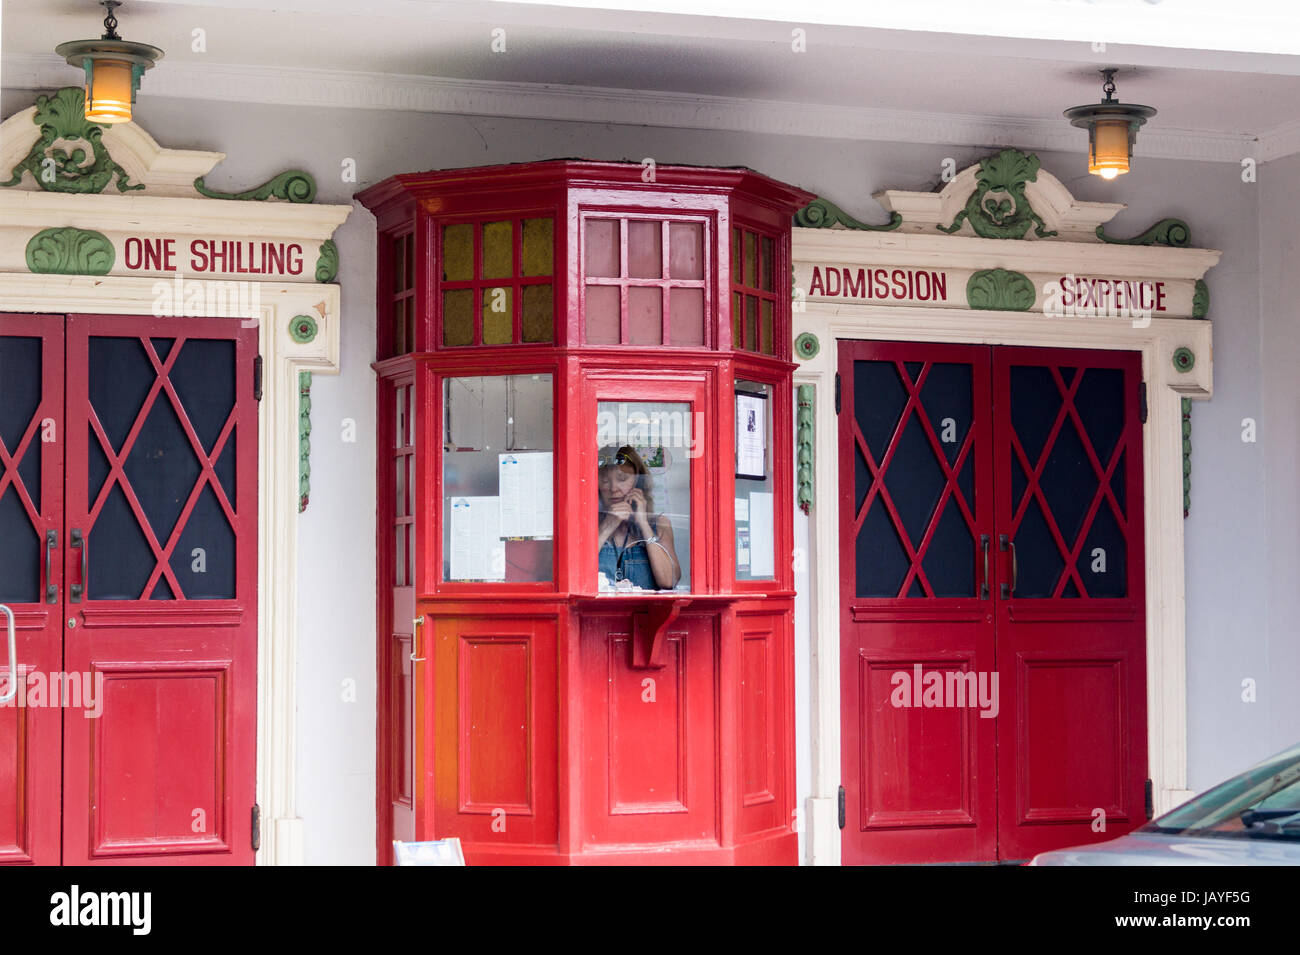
[(13, 658)]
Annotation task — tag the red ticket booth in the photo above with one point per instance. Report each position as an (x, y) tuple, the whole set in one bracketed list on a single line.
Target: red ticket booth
[(585, 473)]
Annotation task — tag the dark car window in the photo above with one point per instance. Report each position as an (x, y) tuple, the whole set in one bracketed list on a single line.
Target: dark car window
[(1261, 803)]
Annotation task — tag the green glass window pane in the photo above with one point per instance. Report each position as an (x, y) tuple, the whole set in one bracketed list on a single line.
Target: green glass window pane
[(498, 316), (498, 250), (751, 260), (769, 249), (765, 325), (457, 253), (539, 247), (751, 323), (458, 317), (539, 313), (737, 311)]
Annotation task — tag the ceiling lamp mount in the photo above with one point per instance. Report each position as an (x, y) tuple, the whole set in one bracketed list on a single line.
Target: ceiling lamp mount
[(1112, 128), (113, 69)]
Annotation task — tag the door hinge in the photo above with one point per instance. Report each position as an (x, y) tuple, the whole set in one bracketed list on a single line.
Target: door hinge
[(257, 827), (1142, 401), (1149, 794), (837, 392), (257, 378), (841, 807)]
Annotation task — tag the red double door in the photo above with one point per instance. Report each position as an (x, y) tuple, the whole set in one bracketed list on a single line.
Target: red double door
[(992, 632), (128, 550)]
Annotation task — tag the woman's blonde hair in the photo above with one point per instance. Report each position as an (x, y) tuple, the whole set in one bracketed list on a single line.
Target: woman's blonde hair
[(627, 456)]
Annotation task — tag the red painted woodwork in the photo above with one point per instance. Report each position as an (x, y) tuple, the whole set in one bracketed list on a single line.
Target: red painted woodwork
[(943, 783), (166, 774), (532, 742)]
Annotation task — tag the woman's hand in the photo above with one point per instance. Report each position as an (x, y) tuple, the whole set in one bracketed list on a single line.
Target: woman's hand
[(616, 515), (637, 499)]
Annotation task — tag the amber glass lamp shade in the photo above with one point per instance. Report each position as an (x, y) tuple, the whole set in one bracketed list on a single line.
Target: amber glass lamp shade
[(1108, 148), (109, 91)]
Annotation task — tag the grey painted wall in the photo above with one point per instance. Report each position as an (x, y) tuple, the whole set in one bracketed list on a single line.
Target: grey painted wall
[(1242, 557)]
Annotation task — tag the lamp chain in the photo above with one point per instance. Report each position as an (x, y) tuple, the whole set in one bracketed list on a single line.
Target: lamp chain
[(1109, 86)]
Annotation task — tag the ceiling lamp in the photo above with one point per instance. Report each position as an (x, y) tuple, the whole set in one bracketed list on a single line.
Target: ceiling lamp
[(1112, 127), (113, 69)]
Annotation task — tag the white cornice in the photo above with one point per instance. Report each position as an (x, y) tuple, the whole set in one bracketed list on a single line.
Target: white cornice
[(380, 91)]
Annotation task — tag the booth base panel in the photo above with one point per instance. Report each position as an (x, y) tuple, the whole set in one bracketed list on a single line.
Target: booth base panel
[(781, 849)]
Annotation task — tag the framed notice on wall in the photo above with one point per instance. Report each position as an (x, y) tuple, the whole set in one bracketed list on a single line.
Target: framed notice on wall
[(751, 435)]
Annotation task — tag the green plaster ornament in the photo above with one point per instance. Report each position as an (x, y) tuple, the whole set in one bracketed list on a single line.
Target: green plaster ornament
[(57, 161), (70, 251), (302, 329), (1171, 232), (304, 439), (1000, 290), (822, 214), (998, 208), (327, 266), (1184, 360), (804, 447), (1201, 300), (806, 346), (293, 186)]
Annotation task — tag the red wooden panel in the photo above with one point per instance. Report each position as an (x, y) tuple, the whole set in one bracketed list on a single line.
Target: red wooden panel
[(649, 729), (758, 745), (17, 754), (650, 761), (168, 794), (494, 752), (492, 761), (1074, 706)]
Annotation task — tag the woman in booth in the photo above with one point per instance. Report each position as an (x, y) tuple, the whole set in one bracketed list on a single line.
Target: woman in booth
[(636, 545)]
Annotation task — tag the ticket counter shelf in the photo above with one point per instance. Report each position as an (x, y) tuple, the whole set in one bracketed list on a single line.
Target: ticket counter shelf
[(652, 615)]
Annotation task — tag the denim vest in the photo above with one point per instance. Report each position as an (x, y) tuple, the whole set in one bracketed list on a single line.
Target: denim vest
[(633, 565)]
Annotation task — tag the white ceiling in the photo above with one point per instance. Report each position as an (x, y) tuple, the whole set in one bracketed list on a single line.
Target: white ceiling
[(567, 62)]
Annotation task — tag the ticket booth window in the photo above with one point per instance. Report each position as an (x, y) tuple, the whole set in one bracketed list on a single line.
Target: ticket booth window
[(644, 496), (753, 296), (755, 488), (497, 487)]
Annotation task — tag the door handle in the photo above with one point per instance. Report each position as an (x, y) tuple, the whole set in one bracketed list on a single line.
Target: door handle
[(1007, 544), (51, 542), (12, 691), (984, 583), (77, 539), (416, 626)]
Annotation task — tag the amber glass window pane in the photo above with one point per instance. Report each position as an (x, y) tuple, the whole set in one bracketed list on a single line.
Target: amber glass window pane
[(751, 260), (765, 323), (645, 249), (751, 323), (539, 313), (686, 250), (458, 317), (737, 312), (602, 315), (645, 316), (498, 316), (539, 247), (769, 249), (600, 255), (457, 253), (686, 316), (735, 256), (498, 250)]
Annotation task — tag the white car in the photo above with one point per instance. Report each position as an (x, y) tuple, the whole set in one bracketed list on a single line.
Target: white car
[(1252, 819)]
